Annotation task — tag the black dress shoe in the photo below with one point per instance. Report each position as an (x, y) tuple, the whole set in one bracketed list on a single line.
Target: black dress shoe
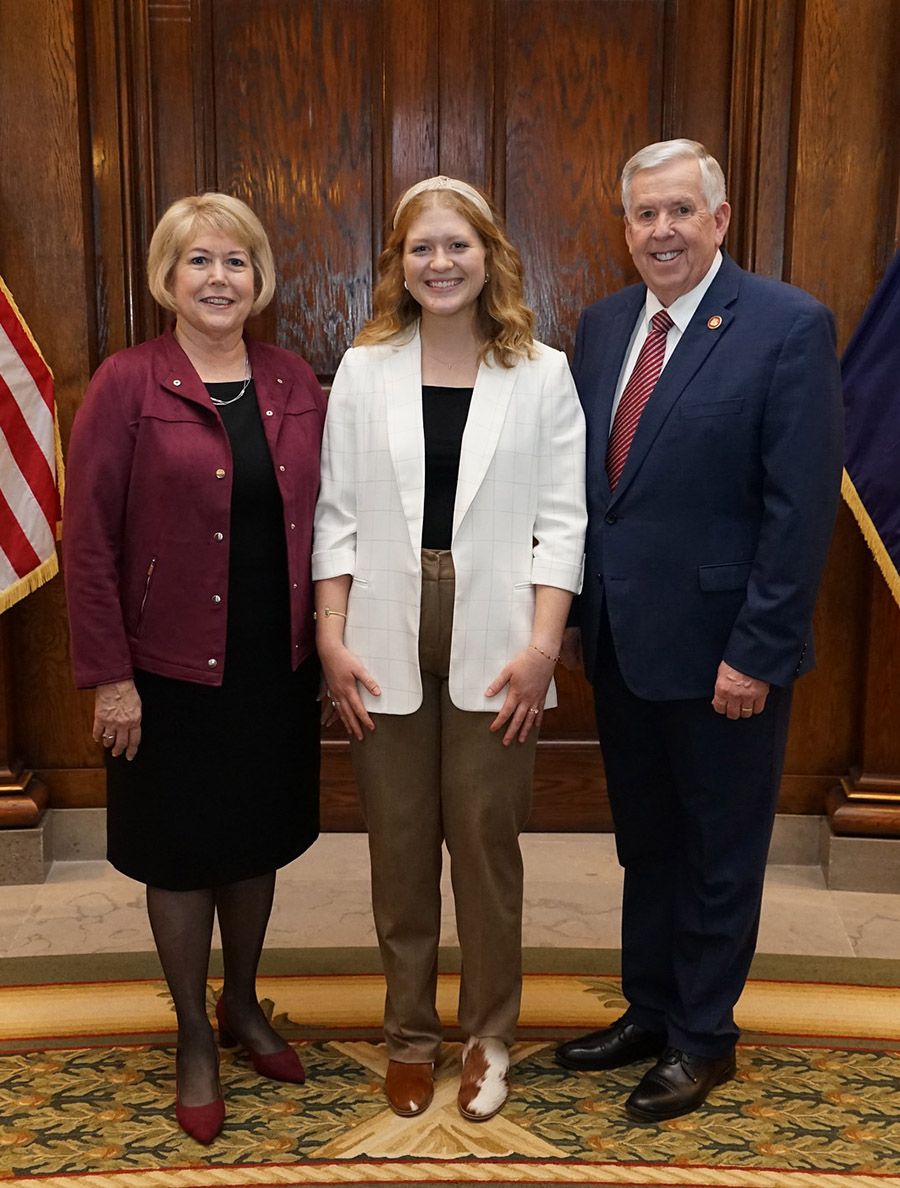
[(678, 1083), (620, 1043)]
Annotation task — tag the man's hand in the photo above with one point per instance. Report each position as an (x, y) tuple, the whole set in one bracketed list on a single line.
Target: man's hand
[(738, 695)]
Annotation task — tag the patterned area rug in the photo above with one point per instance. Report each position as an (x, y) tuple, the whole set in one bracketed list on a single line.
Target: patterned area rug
[(87, 1083)]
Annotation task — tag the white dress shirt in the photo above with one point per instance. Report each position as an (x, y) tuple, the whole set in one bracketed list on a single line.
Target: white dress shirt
[(680, 311)]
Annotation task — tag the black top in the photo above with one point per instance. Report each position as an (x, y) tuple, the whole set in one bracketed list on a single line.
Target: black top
[(444, 413), (258, 603)]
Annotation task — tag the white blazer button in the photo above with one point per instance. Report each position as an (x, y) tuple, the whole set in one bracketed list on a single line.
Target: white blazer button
[(176, 383), (269, 412), (218, 536), (279, 381), (281, 468), (220, 473), (212, 663), (217, 598)]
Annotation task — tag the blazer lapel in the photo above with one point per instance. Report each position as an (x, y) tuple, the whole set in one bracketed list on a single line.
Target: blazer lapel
[(405, 431), (689, 355), (487, 413)]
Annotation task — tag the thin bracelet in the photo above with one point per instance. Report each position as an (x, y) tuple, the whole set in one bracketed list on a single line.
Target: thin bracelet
[(555, 659), (326, 611)]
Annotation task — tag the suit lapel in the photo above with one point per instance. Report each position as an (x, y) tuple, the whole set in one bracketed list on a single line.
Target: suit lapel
[(487, 413), (405, 431), (689, 355)]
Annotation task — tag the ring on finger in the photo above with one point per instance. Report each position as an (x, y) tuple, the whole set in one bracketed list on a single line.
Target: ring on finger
[(107, 737), (336, 704), (746, 710), (535, 710)]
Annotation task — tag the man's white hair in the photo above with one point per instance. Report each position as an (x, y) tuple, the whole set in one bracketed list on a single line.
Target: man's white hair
[(712, 178)]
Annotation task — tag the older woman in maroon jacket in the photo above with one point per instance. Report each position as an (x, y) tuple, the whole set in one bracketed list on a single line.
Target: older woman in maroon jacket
[(192, 479)]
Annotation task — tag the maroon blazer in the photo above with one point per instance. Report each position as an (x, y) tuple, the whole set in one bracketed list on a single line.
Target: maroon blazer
[(147, 511)]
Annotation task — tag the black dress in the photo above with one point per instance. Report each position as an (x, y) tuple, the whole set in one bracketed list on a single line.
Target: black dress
[(225, 784)]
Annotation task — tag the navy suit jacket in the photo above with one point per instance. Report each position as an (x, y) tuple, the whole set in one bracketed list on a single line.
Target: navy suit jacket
[(713, 544)]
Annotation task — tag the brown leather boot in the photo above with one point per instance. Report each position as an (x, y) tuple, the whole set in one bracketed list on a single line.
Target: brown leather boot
[(409, 1088)]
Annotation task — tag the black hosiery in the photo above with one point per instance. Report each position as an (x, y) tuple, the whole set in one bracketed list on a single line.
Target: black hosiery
[(182, 928), (243, 909)]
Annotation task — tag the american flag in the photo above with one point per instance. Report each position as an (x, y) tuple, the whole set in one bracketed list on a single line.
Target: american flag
[(31, 468)]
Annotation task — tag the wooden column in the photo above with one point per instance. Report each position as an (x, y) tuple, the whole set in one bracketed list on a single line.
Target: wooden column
[(846, 82), (867, 801), (22, 797)]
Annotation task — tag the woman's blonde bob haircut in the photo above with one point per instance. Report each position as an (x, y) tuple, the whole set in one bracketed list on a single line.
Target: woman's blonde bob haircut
[(502, 317), (213, 212)]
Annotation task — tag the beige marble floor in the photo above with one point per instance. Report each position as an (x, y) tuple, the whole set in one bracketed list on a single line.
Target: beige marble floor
[(572, 893)]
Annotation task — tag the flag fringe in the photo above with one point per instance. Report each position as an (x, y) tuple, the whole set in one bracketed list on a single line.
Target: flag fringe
[(873, 539), (44, 572), (24, 324)]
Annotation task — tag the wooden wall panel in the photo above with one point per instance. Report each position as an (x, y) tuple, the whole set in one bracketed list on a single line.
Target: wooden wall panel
[(179, 116), (574, 107), (844, 197), (838, 237), (299, 138), (698, 71), (761, 127), (321, 113), (412, 56), (475, 31), (46, 260)]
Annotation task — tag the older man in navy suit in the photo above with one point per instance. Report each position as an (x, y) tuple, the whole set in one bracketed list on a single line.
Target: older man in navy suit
[(712, 399)]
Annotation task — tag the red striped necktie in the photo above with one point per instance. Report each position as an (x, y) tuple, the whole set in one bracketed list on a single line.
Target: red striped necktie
[(637, 391)]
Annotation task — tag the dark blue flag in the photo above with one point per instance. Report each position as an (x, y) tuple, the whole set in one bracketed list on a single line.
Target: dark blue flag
[(871, 375)]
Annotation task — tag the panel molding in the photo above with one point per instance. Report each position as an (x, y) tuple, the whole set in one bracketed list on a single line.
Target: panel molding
[(761, 131)]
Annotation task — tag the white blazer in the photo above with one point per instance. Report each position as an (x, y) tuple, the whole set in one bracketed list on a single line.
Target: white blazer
[(519, 518)]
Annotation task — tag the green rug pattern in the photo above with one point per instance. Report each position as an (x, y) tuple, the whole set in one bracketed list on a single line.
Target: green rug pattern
[(99, 1109)]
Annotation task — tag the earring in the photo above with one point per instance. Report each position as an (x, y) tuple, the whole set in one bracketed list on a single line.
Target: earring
[(406, 286), (487, 277)]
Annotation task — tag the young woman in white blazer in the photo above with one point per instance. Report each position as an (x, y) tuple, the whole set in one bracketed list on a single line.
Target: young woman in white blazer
[(448, 544)]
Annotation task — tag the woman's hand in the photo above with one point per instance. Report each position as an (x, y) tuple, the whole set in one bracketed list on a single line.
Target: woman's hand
[(528, 678), (117, 717), (344, 673), (329, 712)]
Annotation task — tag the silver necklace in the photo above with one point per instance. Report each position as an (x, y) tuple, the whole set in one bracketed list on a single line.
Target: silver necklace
[(234, 399)]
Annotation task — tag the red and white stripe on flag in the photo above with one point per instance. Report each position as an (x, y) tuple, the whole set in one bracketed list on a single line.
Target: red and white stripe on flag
[(31, 469)]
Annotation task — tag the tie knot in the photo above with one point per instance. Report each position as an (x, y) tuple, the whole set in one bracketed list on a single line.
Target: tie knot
[(662, 321)]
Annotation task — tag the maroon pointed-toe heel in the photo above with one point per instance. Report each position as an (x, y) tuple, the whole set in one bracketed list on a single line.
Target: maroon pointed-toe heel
[(277, 1066), (201, 1122)]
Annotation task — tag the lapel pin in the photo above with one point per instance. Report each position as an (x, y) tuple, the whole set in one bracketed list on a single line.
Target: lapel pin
[(714, 322)]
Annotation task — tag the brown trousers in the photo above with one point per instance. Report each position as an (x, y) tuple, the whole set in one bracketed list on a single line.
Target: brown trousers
[(440, 775)]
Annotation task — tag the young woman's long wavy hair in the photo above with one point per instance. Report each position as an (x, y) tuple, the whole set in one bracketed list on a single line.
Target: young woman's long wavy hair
[(503, 319)]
